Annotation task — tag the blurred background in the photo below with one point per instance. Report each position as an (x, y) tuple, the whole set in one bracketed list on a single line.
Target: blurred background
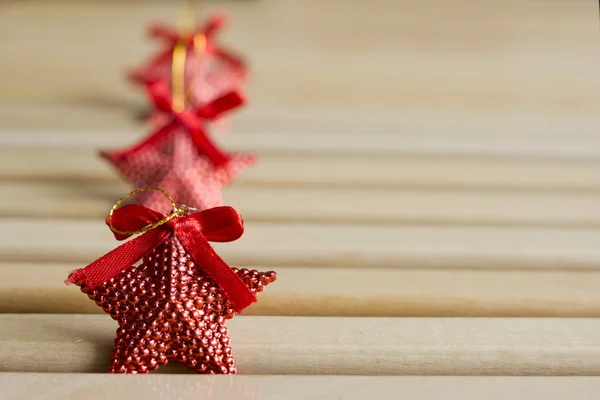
[(511, 69)]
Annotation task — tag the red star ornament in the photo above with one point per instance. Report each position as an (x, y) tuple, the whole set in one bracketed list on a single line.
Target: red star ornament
[(179, 157), (175, 165), (209, 73), (173, 307)]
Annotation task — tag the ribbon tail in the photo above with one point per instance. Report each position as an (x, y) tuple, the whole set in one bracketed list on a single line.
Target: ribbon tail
[(214, 154), (160, 94), (151, 140), (221, 105), (201, 140), (209, 261), (119, 259)]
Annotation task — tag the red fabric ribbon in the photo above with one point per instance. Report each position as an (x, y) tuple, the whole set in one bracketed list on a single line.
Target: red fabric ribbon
[(190, 119), (172, 37), (219, 224)]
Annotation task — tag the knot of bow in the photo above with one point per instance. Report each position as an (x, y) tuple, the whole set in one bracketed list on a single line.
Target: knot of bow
[(191, 118)]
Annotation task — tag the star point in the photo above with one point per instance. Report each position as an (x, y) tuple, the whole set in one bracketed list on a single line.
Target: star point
[(176, 166)]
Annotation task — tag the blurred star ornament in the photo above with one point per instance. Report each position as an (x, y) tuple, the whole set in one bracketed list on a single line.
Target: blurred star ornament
[(210, 70), (173, 307), (179, 156)]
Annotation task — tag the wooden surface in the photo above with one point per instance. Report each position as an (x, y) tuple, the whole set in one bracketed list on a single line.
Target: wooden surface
[(327, 291), (331, 346), (356, 246), (73, 386), (418, 159), (512, 69), (324, 170), (329, 205)]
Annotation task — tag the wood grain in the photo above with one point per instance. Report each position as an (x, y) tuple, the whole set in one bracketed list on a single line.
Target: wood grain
[(474, 123), (561, 148), (317, 170), (334, 346), (364, 246), (432, 61), (16, 386), (92, 200), (323, 291)]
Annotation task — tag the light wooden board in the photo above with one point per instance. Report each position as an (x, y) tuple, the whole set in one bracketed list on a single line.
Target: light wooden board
[(323, 291), (433, 60), (92, 200), (15, 386), (559, 148), (273, 245), (411, 95), (307, 170), (331, 346)]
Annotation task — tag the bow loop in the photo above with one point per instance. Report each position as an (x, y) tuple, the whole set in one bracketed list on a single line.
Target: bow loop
[(219, 224), (132, 217), (213, 24), (157, 30)]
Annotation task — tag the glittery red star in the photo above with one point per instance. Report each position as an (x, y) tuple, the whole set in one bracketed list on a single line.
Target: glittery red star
[(179, 157), (169, 310), (175, 165)]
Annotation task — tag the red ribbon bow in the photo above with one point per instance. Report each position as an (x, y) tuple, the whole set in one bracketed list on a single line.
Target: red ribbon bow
[(191, 119), (194, 231), (172, 37)]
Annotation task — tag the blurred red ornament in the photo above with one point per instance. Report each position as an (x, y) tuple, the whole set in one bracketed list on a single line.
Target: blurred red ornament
[(173, 306), (179, 156), (210, 71)]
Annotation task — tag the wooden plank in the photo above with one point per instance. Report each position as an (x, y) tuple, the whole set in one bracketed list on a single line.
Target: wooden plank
[(101, 386), (293, 244), (331, 346), (91, 200), (19, 163), (322, 291), (391, 143), (481, 63)]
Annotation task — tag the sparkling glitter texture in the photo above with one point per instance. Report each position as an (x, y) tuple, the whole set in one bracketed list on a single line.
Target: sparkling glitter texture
[(169, 310), (175, 165)]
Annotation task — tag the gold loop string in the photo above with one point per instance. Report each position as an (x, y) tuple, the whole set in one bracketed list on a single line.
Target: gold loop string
[(180, 53), (177, 212), (178, 75)]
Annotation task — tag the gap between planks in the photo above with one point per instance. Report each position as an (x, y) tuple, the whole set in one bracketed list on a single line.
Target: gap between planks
[(309, 291), (60, 165), (89, 200), (331, 346), (32, 386), (337, 143), (292, 244)]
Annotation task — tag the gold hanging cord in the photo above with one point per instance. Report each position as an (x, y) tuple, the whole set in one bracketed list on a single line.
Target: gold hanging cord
[(187, 26), (177, 212)]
